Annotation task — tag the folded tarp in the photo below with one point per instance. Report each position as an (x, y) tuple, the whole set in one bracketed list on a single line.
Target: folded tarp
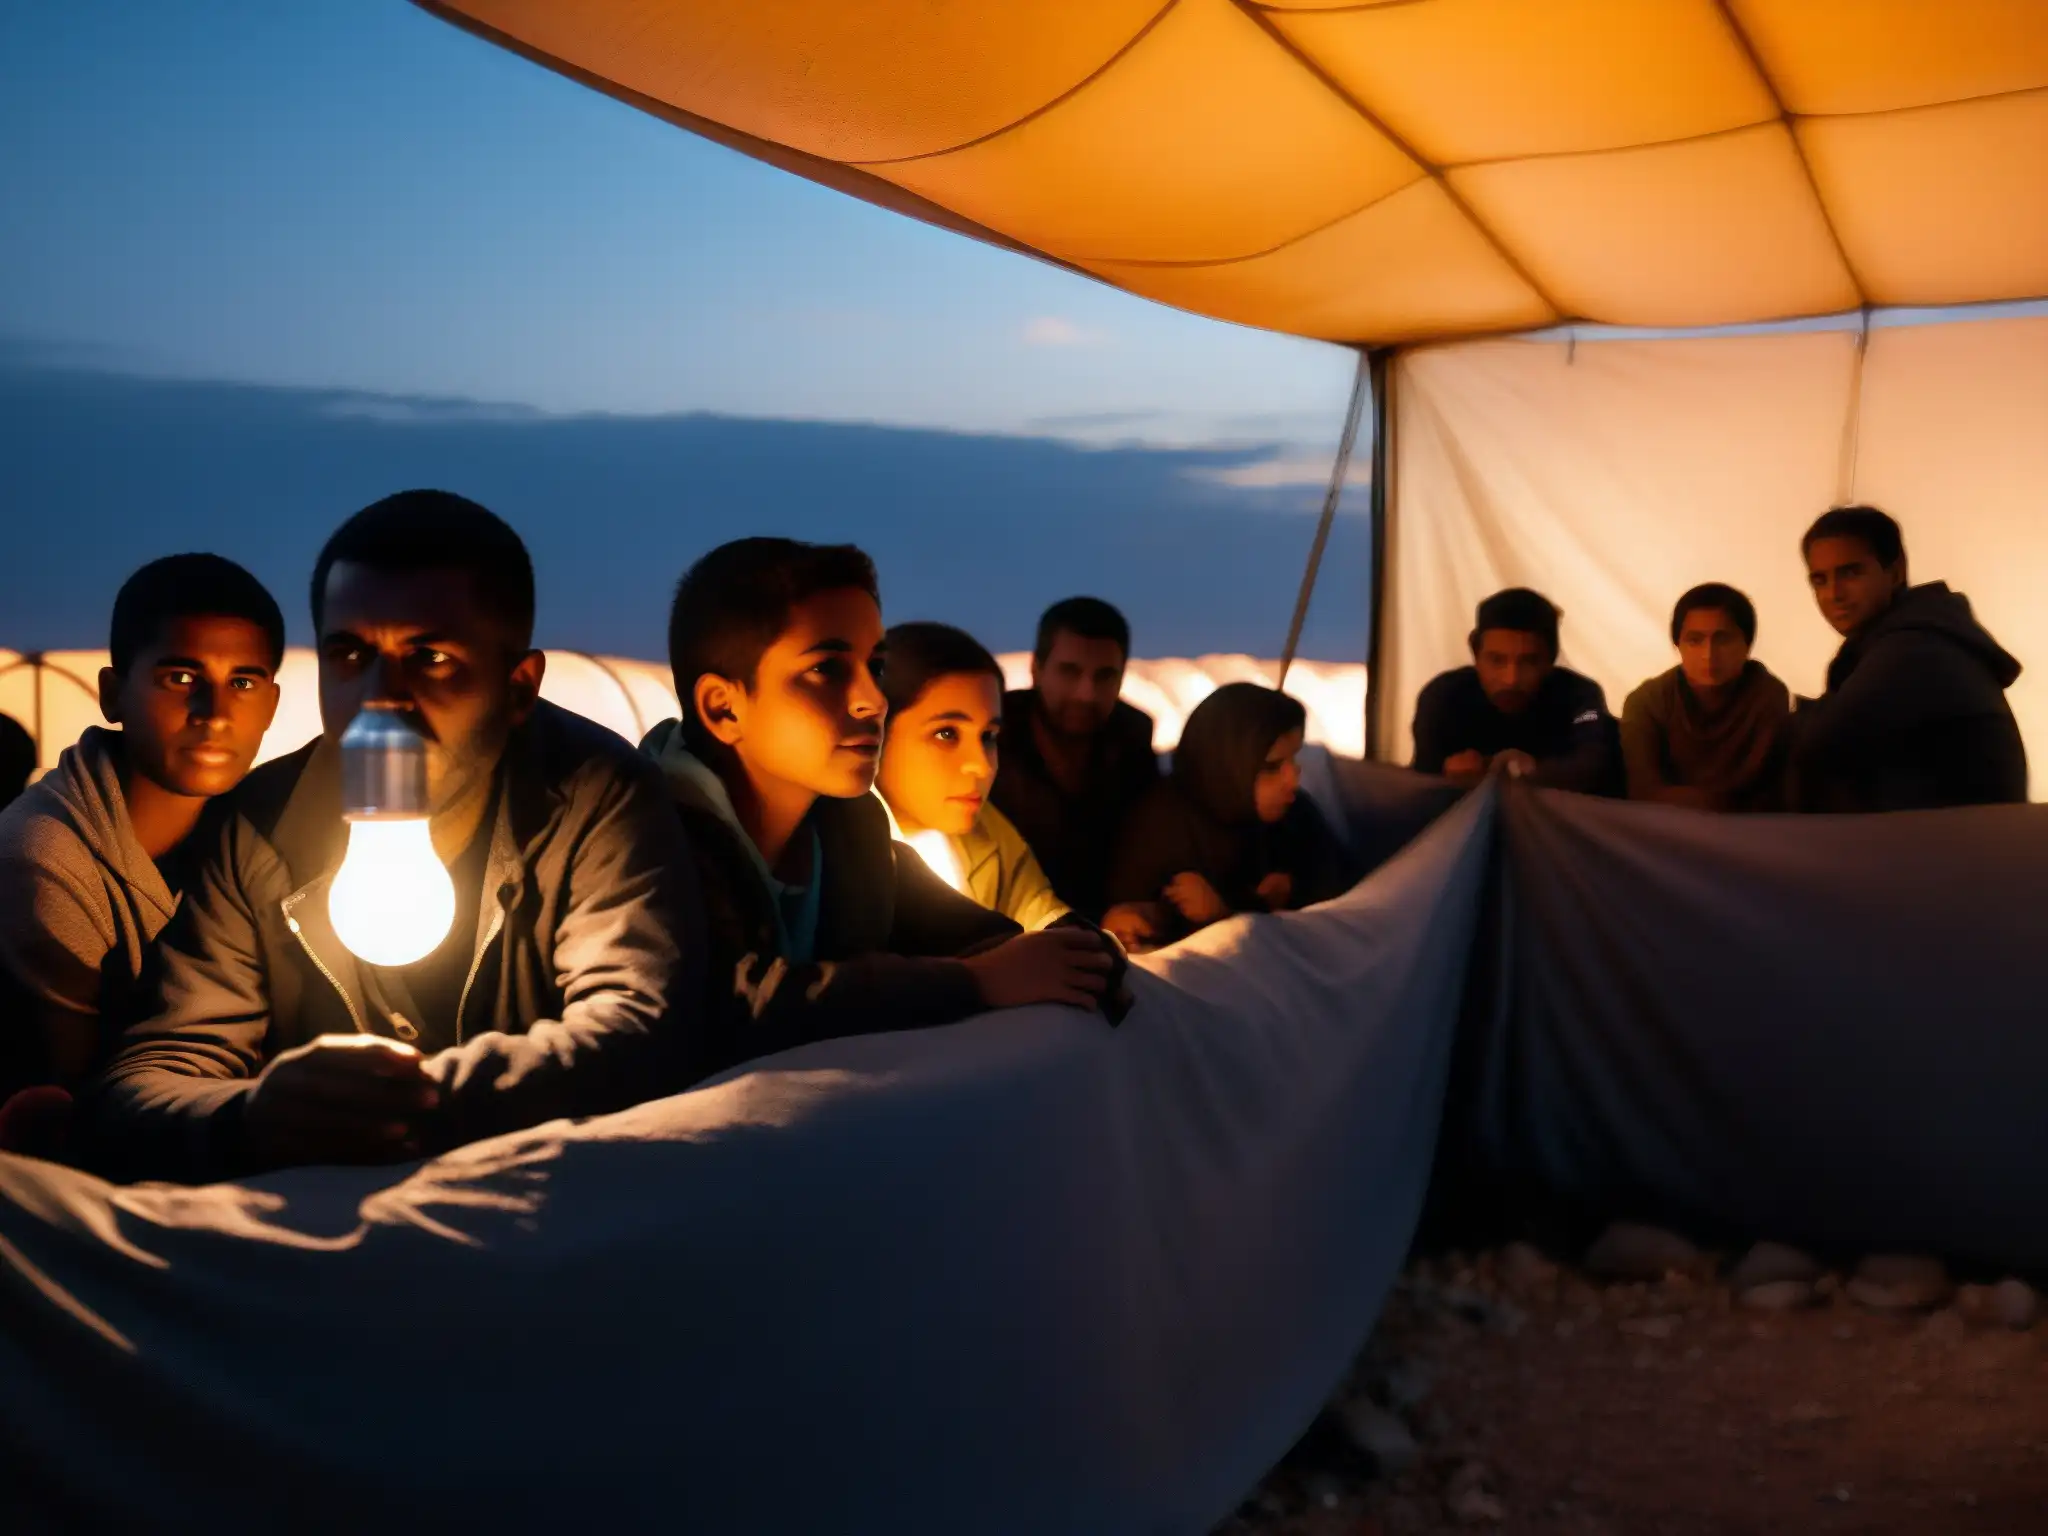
[(1025, 1274), (1831, 1030)]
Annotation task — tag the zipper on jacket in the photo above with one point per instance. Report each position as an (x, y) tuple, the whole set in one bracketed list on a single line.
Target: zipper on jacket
[(476, 961), (318, 964)]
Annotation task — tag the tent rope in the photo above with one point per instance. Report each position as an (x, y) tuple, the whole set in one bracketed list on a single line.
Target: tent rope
[(1360, 388), (1852, 420)]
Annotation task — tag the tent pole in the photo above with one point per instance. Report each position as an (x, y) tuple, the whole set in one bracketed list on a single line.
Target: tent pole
[(1360, 385), (1379, 502)]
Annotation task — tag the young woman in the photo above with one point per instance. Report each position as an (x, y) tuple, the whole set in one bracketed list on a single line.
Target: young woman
[(1227, 831), (945, 695)]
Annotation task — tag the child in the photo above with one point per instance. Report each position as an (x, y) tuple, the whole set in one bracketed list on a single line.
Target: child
[(92, 857), (820, 923), (1226, 831), (939, 758)]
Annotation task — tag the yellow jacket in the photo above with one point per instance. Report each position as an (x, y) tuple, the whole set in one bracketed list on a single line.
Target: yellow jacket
[(994, 865)]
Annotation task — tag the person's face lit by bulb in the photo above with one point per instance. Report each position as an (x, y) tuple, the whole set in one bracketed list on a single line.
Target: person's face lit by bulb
[(420, 643), (939, 757)]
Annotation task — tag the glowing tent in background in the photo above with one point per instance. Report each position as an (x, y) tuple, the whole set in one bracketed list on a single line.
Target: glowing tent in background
[(1427, 171), (54, 694)]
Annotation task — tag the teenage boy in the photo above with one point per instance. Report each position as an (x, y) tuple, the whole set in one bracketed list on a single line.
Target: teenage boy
[(1515, 707), (821, 925), (1076, 757), (574, 962), (1708, 733), (94, 856), (1915, 716)]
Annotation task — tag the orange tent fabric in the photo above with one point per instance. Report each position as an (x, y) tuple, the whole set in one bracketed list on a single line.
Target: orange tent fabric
[(1395, 171)]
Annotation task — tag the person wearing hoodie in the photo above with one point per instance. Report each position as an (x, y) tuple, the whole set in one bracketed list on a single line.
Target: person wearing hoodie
[(570, 979), (1228, 829), (939, 755), (94, 856), (820, 923), (1915, 715)]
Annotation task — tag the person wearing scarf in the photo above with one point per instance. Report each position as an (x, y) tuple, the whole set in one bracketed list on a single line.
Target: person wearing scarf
[(1228, 829), (1709, 733)]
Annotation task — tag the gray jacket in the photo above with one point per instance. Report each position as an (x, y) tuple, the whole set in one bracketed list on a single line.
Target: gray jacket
[(587, 978), (80, 905)]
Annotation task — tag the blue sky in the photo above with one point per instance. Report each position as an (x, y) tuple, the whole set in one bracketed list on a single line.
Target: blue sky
[(349, 192), (379, 220)]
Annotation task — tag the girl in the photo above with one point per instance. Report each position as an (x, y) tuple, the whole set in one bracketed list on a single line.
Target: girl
[(939, 758), (1227, 830)]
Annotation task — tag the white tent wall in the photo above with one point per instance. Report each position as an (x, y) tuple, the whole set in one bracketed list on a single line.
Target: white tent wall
[(1612, 474), (54, 694)]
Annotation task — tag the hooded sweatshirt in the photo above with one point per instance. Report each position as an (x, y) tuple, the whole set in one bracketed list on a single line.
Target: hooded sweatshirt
[(870, 942), (81, 905), (1914, 717), (1203, 817)]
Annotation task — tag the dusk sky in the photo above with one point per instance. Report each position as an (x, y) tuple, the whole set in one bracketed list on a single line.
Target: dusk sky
[(348, 195)]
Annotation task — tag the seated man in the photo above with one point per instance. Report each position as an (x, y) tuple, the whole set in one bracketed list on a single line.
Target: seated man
[(821, 924), (1076, 758), (574, 965), (93, 858), (1707, 733), (1914, 716), (1515, 706)]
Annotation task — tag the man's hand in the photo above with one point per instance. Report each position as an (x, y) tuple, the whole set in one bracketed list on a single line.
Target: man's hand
[(1465, 765), (1276, 890), (1196, 899), (1134, 924), (1515, 763), (1054, 965), (339, 1099)]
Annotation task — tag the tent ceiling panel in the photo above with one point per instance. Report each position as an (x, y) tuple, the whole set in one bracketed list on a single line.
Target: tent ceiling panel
[(1206, 142), (1626, 161), (1408, 267), (880, 80), (1703, 232), (1464, 80), (1844, 56), (1941, 205)]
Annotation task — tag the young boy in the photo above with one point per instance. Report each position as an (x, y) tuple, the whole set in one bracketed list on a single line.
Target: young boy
[(93, 857), (820, 923)]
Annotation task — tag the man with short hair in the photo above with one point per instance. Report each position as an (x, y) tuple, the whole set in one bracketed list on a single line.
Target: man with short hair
[(1708, 733), (1516, 708), (1915, 715), (94, 857), (1076, 758), (575, 959)]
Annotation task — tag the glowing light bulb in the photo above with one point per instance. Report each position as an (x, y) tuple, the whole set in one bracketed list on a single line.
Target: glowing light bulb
[(391, 901), (936, 849)]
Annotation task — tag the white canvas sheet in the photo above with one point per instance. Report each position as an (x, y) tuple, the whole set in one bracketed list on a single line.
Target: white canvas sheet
[(1028, 1274), (1613, 474)]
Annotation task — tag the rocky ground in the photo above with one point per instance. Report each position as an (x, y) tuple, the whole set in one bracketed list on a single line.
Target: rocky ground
[(1653, 1389)]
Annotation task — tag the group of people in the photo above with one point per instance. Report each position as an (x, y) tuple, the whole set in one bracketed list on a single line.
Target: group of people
[(1914, 716), (770, 868)]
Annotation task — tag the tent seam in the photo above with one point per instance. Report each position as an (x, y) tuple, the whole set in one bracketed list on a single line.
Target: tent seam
[(1263, 19), (1156, 263), (1038, 111), (1820, 202)]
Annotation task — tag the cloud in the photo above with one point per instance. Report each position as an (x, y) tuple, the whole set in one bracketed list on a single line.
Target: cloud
[(1285, 469), (1057, 331)]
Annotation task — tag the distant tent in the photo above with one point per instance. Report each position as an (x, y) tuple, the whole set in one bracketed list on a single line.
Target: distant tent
[(1389, 174), (54, 694)]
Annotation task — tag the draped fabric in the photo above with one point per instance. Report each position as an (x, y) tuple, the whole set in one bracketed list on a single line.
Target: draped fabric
[(1030, 1274)]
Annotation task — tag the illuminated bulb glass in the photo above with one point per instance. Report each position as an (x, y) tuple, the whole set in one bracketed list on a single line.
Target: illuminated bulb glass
[(936, 849), (392, 900)]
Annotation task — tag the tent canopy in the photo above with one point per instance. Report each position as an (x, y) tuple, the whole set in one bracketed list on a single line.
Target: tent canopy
[(1393, 171)]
